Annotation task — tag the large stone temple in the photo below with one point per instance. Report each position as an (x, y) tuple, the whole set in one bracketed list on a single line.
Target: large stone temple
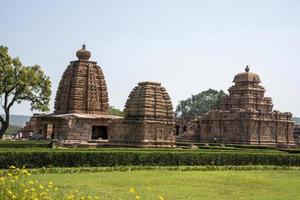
[(81, 105), (246, 117)]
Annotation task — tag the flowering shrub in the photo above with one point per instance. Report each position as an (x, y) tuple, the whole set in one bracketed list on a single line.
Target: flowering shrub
[(15, 183)]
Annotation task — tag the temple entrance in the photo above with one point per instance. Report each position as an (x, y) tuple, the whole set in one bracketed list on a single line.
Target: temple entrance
[(99, 132), (177, 127), (48, 131)]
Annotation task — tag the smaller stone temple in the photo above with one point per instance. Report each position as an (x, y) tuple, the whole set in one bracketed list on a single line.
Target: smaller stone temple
[(148, 121), (247, 117)]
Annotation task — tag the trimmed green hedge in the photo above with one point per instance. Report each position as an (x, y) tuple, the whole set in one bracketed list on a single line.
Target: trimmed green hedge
[(44, 158), (25, 144)]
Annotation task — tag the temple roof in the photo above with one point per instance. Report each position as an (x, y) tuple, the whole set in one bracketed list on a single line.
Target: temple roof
[(246, 76), (149, 100)]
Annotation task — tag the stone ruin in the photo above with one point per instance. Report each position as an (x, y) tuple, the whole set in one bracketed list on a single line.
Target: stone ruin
[(81, 105), (149, 118), (81, 115), (247, 117), (187, 129)]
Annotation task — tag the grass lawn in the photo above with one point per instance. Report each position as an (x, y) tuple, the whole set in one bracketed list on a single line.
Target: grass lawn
[(225, 184)]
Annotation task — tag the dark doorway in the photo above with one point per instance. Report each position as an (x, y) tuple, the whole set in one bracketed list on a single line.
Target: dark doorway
[(99, 132), (177, 127)]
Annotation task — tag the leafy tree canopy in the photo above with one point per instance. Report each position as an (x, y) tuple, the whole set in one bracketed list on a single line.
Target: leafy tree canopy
[(115, 111), (21, 83), (199, 104)]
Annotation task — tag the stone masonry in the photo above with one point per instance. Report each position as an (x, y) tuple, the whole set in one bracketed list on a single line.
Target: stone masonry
[(82, 88), (148, 121), (246, 117)]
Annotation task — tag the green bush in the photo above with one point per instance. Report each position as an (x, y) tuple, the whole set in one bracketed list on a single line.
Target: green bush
[(85, 158), (25, 144)]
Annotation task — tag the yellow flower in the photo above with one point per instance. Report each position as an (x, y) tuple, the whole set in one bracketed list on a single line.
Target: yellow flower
[(9, 174), (30, 182), (71, 197), (16, 177), (26, 190), (131, 190), (56, 189), (137, 197), (2, 179), (41, 186), (161, 198)]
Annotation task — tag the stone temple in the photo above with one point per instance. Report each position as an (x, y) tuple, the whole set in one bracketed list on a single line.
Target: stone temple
[(246, 117), (149, 118), (81, 116), (81, 105)]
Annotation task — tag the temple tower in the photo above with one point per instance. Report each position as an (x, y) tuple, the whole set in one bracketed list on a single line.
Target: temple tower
[(247, 94), (82, 88), (149, 118)]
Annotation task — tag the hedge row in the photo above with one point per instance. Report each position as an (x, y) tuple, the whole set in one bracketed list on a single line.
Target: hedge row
[(25, 144), (167, 158), (222, 145), (70, 170)]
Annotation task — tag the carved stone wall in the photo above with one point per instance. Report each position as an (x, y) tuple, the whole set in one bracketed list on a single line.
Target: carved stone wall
[(297, 134), (187, 129)]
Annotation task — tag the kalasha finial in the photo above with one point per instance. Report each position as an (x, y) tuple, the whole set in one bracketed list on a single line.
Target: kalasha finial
[(83, 54), (247, 69)]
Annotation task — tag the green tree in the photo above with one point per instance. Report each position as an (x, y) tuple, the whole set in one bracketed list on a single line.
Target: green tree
[(21, 83), (199, 104), (115, 111)]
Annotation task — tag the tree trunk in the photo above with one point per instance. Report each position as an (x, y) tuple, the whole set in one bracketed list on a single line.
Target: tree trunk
[(4, 123), (4, 127)]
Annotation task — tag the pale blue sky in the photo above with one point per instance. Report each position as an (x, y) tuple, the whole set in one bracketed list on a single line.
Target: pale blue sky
[(188, 46)]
